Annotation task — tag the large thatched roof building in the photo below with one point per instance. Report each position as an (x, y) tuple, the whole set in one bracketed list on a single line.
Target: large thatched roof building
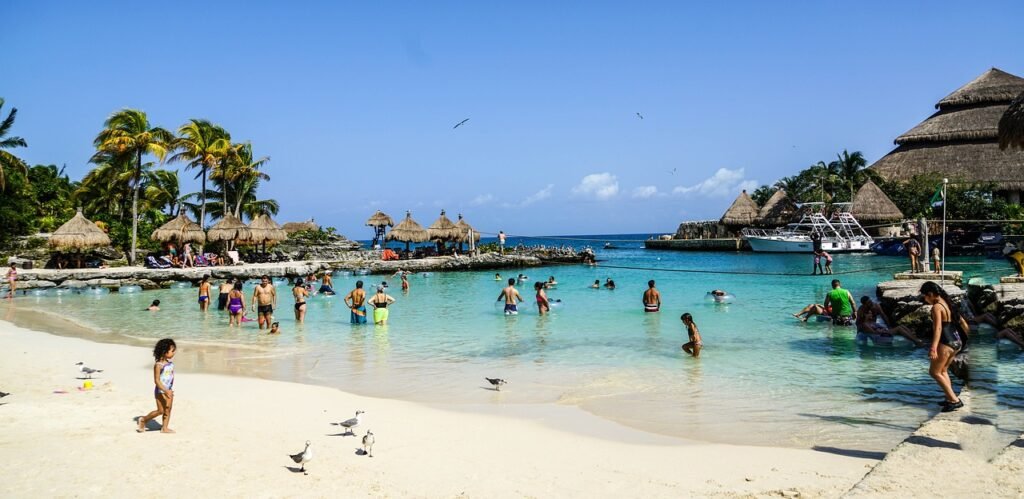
[(742, 213), (960, 141)]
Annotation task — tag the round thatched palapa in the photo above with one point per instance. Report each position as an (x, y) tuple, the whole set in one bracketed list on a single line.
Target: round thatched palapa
[(78, 233), (293, 227), (779, 210), (180, 230), (870, 204), (380, 219), (464, 229), (263, 230), (408, 231), (228, 228), (742, 212), (1011, 125), (443, 229)]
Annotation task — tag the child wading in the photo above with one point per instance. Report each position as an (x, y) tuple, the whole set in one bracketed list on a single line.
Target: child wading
[(163, 378), (695, 344)]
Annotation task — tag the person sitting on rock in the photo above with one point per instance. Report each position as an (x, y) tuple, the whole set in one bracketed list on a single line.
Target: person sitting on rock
[(873, 323), (1011, 336)]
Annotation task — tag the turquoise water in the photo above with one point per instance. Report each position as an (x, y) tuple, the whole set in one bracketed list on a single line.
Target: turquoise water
[(763, 377)]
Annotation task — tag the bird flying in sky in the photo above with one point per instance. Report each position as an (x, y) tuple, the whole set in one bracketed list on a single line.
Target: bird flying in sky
[(460, 123), (640, 115)]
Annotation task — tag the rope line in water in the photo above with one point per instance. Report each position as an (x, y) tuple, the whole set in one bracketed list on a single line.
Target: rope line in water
[(740, 272)]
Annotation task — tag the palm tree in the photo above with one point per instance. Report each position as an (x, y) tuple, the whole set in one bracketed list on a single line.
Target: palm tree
[(8, 160), (162, 191), (128, 133), (104, 189), (203, 145), (852, 170), (241, 175)]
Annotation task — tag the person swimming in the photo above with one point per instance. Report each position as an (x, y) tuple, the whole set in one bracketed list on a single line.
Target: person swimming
[(609, 283), (596, 285), (497, 277), (718, 295), (153, 307)]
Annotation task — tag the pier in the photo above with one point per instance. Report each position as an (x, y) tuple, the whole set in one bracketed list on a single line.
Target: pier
[(719, 244)]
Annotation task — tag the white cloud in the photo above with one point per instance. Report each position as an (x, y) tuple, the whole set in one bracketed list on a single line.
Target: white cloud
[(532, 198), (723, 183), (645, 191), (600, 186), (538, 196), (482, 199)]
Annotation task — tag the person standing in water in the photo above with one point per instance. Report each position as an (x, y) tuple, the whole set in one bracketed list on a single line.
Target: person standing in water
[(12, 278), (299, 292), (236, 304), (840, 302), (543, 306), (949, 332), (652, 298), (695, 344), (204, 293), (264, 300), (225, 288), (511, 295), (355, 300), (380, 303), (405, 283), (816, 249)]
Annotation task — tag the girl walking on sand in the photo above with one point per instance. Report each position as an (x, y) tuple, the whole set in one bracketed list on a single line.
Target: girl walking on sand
[(163, 392)]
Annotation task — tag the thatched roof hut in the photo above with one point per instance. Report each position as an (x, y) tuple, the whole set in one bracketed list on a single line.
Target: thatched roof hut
[(960, 141), (408, 231), (293, 227), (78, 233), (443, 229), (180, 230), (229, 228), (778, 210), (380, 219), (742, 212), (464, 229), (263, 229), (871, 205), (1011, 125)]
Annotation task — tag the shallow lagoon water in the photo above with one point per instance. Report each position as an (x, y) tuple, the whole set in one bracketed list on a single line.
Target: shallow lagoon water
[(763, 377)]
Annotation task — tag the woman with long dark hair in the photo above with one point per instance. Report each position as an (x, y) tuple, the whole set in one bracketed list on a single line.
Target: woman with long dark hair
[(949, 333)]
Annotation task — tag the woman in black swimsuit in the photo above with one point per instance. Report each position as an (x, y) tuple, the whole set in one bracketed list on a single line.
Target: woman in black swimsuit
[(300, 293), (949, 332)]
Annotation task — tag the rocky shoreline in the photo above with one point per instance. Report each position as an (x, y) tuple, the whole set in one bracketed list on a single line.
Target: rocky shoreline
[(368, 262)]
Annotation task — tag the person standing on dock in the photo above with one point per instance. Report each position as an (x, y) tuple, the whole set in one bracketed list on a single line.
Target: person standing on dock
[(652, 298), (356, 302), (264, 300), (816, 249), (501, 241), (913, 251)]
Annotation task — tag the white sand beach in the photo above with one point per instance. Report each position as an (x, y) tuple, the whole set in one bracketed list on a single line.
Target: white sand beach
[(234, 435)]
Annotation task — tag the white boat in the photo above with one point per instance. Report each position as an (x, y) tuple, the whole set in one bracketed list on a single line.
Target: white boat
[(841, 233)]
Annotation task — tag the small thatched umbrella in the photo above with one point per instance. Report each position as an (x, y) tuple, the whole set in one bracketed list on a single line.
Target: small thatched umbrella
[(228, 228), (443, 230), (180, 230), (263, 229), (408, 231), (742, 213), (779, 210), (871, 205), (379, 221), (1011, 125), (293, 227), (465, 229), (78, 234)]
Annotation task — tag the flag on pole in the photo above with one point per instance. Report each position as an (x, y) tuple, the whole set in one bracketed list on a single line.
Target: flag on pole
[(939, 198)]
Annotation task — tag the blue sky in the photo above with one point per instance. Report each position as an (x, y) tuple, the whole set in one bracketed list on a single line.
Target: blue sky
[(355, 102)]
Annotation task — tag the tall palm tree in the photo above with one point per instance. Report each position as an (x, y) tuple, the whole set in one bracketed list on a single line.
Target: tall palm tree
[(128, 133), (852, 170), (240, 174), (8, 160), (104, 189), (162, 191), (203, 145)]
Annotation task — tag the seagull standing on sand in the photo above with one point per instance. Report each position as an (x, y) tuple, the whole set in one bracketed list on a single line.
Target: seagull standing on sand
[(303, 457), (460, 123), (496, 383), (87, 371), (368, 443), (351, 423)]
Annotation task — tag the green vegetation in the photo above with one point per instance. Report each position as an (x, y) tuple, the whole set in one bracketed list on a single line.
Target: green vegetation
[(833, 182), (126, 194)]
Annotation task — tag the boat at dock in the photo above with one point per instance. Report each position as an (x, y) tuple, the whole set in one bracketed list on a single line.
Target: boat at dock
[(840, 233)]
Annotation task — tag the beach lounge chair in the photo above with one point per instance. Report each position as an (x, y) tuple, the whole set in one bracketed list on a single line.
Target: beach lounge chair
[(153, 263), (235, 259)]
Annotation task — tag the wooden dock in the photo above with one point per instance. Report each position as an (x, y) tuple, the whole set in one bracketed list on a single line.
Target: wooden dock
[(723, 244)]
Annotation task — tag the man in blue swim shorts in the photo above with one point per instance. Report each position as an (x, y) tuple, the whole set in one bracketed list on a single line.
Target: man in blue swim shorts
[(511, 295)]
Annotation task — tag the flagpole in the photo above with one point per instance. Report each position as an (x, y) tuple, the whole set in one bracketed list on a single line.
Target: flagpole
[(942, 271)]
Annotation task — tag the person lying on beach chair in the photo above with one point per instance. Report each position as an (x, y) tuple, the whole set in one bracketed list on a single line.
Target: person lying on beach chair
[(153, 263), (235, 259), (1011, 336)]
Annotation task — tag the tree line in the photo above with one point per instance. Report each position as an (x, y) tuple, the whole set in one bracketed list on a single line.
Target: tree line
[(125, 190)]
